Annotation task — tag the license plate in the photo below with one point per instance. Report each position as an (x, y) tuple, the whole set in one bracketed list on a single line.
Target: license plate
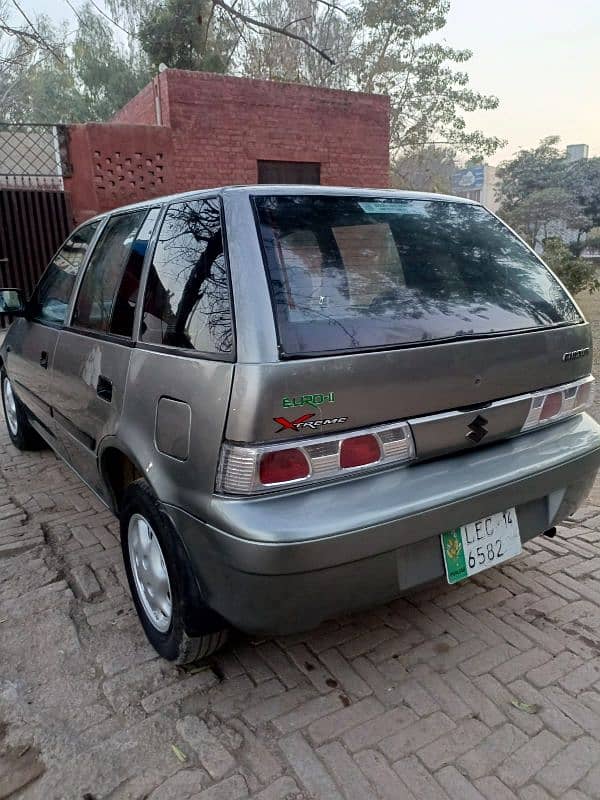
[(479, 545)]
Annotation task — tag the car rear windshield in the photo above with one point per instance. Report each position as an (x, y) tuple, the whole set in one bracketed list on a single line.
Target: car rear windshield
[(349, 273)]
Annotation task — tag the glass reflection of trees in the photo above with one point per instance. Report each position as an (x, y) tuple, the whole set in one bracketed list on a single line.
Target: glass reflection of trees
[(187, 300), (457, 272)]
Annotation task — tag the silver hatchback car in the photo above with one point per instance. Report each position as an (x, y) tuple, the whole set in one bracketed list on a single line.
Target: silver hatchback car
[(302, 401)]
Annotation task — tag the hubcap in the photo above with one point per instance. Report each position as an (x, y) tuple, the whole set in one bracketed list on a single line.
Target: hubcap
[(10, 405), (150, 573)]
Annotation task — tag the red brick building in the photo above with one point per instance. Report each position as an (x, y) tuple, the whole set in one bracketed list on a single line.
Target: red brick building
[(189, 130)]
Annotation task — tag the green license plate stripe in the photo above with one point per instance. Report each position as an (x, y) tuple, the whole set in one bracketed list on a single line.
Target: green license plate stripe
[(454, 556)]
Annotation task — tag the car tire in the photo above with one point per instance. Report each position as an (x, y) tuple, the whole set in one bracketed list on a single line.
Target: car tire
[(22, 435), (178, 624)]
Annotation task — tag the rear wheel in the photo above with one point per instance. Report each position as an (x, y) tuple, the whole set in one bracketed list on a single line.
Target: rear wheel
[(177, 623), (22, 435)]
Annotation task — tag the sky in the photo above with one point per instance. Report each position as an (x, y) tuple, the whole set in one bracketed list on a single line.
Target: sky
[(540, 57)]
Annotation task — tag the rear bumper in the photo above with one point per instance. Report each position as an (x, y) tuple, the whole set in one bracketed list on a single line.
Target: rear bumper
[(283, 563)]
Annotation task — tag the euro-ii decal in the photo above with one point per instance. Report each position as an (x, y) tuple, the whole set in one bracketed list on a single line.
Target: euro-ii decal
[(316, 399)]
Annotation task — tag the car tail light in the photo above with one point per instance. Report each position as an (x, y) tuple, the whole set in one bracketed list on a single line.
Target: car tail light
[(358, 451), (282, 466), (262, 468), (559, 403)]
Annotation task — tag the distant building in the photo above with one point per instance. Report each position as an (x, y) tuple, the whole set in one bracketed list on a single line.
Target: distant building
[(577, 152), (477, 183)]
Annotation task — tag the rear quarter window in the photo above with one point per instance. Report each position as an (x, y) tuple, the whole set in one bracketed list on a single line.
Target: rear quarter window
[(351, 273)]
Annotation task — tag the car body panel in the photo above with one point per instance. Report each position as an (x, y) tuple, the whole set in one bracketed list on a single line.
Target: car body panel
[(205, 386), (82, 417)]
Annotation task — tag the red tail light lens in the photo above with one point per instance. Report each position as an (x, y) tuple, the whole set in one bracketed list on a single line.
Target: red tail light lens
[(281, 466), (552, 405), (358, 451)]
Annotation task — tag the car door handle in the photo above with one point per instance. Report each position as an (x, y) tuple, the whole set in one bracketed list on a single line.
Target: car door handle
[(44, 359), (104, 388)]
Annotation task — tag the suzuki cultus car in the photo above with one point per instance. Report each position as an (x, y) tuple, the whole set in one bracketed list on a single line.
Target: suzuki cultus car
[(303, 401)]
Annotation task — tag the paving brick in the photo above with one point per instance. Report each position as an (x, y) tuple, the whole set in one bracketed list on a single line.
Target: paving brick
[(307, 712), (177, 691), (86, 583), (457, 786), (527, 762), (417, 735), (215, 759), (552, 671), (549, 714), (345, 675), (570, 766), (277, 706), (486, 756), (378, 728), (486, 600), (340, 721), (347, 775), (488, 659), (446, 749), (229, 789), (256, 755), (378, 771), (311, 667), (493, 789), (281, 789), (521, 664), (309, 769), (582, 678), (280, 664), (574, 709), (481, 706), (419, 780)]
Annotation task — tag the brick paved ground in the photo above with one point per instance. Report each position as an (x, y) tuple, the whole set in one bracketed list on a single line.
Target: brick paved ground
[(413, 700)]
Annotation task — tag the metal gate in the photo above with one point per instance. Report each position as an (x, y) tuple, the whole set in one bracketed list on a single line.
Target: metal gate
[(34, 213)]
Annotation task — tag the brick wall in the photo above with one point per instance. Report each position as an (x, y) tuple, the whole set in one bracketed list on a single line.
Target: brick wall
[(188, 130), (117, 164), (223, 125)]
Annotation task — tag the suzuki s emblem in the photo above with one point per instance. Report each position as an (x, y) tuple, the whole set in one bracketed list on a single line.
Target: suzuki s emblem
[(573, 354), (477, 429)]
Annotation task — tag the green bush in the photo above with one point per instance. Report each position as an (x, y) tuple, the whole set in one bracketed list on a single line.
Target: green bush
[(577, 274)]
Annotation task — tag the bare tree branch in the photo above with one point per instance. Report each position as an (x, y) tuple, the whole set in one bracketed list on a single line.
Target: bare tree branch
[(252, 21), (37, 36)]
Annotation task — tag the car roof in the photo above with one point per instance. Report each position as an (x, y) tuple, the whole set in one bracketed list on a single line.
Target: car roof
[(286, 189)]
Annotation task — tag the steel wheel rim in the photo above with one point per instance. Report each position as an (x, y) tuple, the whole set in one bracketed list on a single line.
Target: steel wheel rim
[(150, 573), (10, 406)]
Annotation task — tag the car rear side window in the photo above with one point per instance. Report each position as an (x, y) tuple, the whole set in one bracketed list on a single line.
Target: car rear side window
[(351, 272), (51, 298), (105, 270), (187, 300), (121, 321)]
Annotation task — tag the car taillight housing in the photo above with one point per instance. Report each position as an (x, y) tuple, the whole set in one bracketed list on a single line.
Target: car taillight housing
[(559, 403), (262, 468)]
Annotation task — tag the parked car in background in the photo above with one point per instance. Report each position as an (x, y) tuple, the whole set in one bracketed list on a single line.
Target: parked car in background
[(303, 401)]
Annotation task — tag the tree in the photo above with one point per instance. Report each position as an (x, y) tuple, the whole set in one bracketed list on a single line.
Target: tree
[(428, 169), (543, 195), (185, 34), (576, 273), (386, 47)]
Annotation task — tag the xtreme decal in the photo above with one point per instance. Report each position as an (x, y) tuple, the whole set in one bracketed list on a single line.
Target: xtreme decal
[(306, 421)]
